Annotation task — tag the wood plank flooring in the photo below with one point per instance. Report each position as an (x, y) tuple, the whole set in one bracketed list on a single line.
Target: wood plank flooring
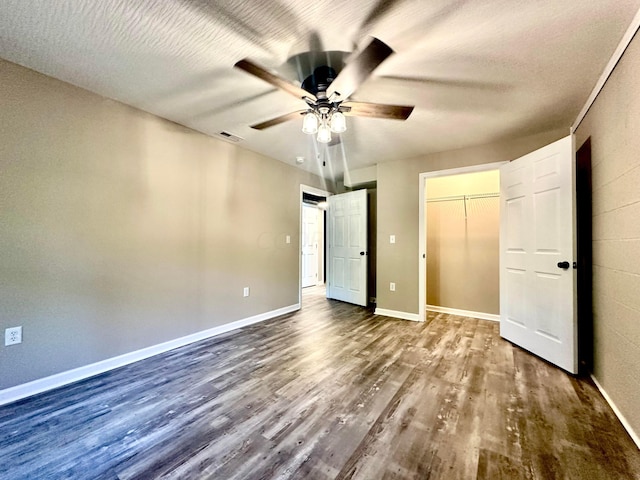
[(330, 392)]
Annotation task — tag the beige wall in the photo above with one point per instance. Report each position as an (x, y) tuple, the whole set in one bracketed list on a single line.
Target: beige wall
[(398, 205), (119, 230), (613, 123), (463, 251)]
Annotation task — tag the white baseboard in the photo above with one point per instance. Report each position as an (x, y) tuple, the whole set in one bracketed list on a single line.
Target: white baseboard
[(464, 313), (414, 317), (634, 436), (24, 390)]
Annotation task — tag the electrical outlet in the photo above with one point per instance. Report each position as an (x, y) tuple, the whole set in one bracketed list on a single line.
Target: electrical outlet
[(245, 293), (13, 336), (392, 286), (288, 239)]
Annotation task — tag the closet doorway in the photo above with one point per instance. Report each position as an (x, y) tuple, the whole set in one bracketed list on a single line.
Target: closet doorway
[(459, 241)]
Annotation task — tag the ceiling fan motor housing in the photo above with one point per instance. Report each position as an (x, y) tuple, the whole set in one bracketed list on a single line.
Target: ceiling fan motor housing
[(319, 80)]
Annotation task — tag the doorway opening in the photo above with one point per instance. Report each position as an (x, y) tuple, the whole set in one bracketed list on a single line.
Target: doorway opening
[(312, 265), (462, 226), (313, 240), (584, 250)]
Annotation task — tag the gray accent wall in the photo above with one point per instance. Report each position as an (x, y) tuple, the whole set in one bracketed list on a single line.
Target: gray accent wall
[(613, 123), (120, 230)]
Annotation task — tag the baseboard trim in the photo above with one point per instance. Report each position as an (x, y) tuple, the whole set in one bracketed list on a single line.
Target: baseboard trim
[(634, 436), (464, 313), (414, 317), (34, 387)]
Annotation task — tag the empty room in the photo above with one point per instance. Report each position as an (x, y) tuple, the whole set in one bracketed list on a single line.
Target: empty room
[(389, 239)]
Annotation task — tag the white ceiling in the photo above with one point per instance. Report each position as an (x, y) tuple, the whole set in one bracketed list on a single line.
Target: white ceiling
[(476, 70)]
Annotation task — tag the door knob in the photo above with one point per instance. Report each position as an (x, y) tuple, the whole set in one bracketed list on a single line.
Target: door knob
[(363, 253), (564, 265)]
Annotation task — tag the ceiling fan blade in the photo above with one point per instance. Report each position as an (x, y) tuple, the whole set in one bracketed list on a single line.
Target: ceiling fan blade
[(278, 120), (377, 110), (359, 68), (264, 74)]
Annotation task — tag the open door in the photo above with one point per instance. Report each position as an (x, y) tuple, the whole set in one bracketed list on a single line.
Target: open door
[(347, 247), (537, 231)]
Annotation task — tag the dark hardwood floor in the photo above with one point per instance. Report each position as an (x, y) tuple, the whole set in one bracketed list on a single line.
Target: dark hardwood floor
[(330, 392)]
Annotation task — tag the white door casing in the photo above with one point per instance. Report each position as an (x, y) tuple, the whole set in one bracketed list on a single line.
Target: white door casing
[(347, 247), (309, 245), (537, 231)]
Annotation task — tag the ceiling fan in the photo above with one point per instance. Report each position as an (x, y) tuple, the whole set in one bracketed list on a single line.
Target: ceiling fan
[(327, 94)]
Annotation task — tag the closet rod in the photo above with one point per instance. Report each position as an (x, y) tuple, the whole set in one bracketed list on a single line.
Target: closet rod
[(463, 197)]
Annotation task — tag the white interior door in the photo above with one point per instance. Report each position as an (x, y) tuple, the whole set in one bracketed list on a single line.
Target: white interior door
[(537, 290), (347, 249), (309, 245)]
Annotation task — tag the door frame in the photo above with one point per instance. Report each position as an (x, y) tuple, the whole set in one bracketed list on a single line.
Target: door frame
[(319, 193), (422, 224)]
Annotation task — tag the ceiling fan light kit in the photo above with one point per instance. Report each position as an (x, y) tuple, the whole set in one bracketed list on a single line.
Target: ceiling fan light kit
[(327, 95), (324, 133), (317, 121), (338, 122), (310, 123)]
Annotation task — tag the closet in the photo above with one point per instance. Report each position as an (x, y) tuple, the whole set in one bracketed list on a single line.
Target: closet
[(463, 225)]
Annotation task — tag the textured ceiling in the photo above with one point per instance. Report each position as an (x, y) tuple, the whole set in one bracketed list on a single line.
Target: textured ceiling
[(476, 70)]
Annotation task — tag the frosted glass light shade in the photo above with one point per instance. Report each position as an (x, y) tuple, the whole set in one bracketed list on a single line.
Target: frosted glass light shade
[(338, 123), (310, 123), (324, 134)]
